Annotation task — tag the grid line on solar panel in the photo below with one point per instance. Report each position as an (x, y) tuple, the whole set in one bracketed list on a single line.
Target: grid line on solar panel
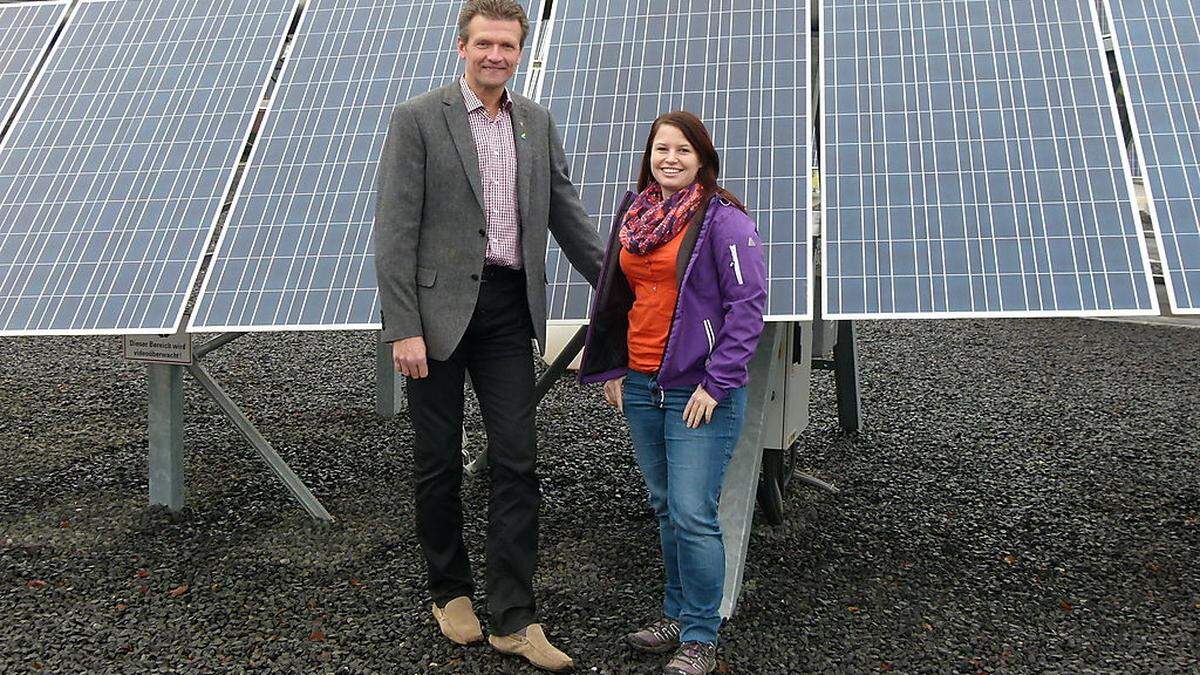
[(973, 164), (613, 66), (1158, 52), (296, 252), (25, 32), (113, 173)]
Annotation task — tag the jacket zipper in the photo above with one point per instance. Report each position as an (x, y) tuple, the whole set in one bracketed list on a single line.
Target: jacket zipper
[(737, 267), (679, 296)]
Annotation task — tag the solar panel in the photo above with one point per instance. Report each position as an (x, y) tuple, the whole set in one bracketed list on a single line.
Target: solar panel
[(25, 32), (1158, 47), (114, 171), (614, 65), (974, 165), (296, 252)]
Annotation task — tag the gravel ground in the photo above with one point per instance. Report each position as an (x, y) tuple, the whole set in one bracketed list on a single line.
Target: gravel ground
[(1024, 498)]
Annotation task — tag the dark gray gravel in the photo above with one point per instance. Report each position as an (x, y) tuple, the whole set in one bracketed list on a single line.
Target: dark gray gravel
[(1025, 498)]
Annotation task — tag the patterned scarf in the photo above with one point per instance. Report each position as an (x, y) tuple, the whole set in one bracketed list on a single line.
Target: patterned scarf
[(652, 221)]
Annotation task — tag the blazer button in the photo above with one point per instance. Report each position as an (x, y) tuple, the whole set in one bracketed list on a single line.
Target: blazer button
[(483, 233), (474, 277)]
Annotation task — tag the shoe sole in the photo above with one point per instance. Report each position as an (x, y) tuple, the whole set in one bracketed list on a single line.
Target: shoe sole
[(526, 659), (467, 643)]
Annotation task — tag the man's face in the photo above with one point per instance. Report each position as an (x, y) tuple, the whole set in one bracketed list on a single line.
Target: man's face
[(492, 51)]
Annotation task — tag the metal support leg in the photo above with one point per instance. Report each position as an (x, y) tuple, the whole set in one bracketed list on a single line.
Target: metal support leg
[(559, 366), (165, 416), (388, 389), (213, 344), (741, 478), (845, 367), (278, 466)]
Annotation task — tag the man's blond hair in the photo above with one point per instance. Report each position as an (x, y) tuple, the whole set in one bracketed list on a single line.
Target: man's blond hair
[(502, 10)]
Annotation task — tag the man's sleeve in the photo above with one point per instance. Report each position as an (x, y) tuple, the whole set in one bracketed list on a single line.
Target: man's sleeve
[(401, 194), (569, 223)]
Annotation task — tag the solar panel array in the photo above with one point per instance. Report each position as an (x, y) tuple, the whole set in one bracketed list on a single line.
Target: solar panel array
[(296, 252), (1158, 44), (113, 173), (615, 65), (974, 163), (25, 32), (973, 160)]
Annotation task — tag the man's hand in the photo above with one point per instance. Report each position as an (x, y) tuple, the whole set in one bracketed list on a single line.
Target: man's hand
[(613, 393), (408, 355), (699, 408)]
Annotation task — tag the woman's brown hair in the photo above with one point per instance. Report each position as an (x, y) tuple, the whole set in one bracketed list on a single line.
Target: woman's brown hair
[(697, 136)]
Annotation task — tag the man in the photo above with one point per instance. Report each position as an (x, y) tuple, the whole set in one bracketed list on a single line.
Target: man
[(471, 178)]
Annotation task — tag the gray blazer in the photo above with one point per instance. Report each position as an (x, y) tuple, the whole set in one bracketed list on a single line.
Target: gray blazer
[(430, 231)]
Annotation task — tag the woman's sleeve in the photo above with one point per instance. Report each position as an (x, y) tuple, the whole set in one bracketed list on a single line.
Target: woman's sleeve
[(742, 275)]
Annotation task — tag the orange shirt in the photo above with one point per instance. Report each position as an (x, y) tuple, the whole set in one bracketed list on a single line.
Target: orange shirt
[(652, 279)]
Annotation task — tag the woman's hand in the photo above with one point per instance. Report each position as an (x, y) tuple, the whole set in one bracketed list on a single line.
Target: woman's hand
[(613, 393), (699, 408)]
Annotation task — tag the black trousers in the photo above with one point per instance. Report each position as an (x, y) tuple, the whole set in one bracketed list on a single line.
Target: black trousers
[(498, 353)]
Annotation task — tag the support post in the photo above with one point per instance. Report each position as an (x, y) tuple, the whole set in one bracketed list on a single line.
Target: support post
[(388, 387), (165, 427), (741, 477), (280, 468), (845, 369)]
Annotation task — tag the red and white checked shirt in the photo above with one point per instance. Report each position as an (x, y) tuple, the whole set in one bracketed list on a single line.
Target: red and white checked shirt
[(497, 152)]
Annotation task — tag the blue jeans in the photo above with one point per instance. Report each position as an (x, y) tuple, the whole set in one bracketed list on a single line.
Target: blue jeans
[(684, 469)]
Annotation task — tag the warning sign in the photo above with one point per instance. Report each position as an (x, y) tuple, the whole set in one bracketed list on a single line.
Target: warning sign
[(174, 349)]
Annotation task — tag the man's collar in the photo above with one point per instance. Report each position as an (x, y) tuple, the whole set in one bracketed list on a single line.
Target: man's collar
[(474, 103)]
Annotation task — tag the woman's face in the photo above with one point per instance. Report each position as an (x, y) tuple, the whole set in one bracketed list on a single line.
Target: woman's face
[(673, 161)]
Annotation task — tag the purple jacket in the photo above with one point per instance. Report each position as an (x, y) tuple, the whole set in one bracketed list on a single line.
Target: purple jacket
[(718, 315)]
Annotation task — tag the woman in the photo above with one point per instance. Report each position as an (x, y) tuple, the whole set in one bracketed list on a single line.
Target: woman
[(676, 319)]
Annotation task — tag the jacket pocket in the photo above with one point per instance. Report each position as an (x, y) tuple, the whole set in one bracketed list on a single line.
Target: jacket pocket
[(736, 264), (426, 276), (710, 334)]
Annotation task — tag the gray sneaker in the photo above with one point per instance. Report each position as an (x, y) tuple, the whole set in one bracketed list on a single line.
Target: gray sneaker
[(659, 637), (693, 658)]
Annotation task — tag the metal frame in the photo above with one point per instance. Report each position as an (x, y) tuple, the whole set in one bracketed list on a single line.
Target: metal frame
[(166, 453), (740, 489)]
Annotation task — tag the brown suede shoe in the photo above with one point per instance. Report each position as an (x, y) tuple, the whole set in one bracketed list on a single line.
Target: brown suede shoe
[(533, 647), (458, 621)]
